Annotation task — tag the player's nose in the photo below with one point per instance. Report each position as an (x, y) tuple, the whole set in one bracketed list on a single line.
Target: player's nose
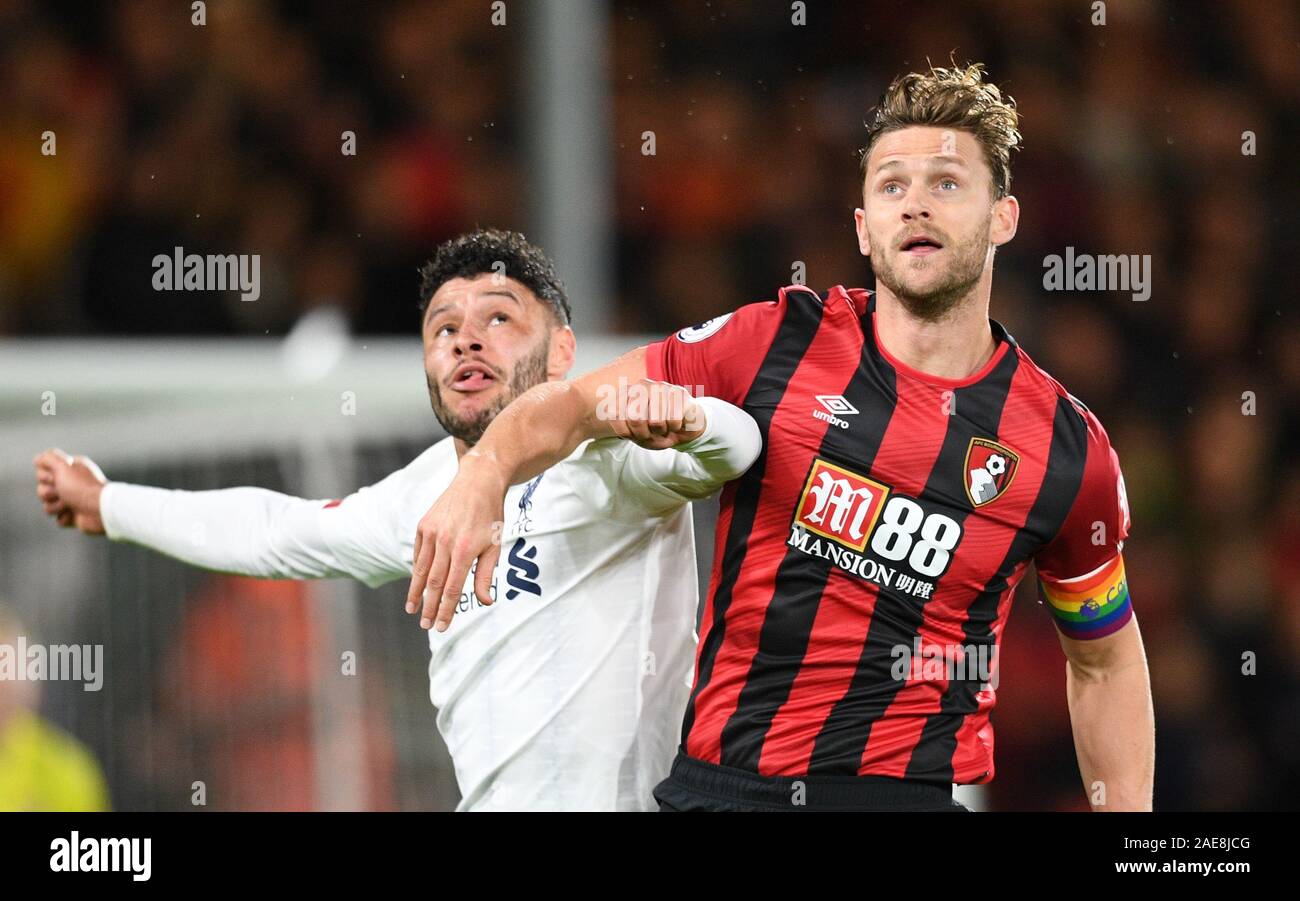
[(468, 339), (916, 205)]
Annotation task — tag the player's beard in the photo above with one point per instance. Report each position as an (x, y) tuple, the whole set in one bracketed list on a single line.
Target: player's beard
[(965, 266), (529, 371)]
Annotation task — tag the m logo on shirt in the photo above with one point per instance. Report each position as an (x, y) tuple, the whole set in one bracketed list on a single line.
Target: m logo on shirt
[(523, 572), (839, 504)]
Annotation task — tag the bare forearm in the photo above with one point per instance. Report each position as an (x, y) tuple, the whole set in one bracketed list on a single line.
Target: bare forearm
[(1114, 732), (532, 434)]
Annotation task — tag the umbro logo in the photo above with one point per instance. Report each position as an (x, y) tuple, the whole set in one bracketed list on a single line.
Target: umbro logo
[(836, 405)]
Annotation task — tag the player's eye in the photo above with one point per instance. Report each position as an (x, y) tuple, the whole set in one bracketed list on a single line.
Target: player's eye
[(945, 183), (502, 316), (445, 330), (889, 186)]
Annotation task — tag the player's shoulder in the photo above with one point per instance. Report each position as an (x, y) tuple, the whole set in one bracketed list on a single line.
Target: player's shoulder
[(439, 455), (740, 319), (757, 313), (1081, 416), (796, 298), (430, 470), (754, 325)]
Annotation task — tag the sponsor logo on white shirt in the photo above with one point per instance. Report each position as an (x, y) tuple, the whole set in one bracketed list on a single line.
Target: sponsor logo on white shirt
[(523, 572)]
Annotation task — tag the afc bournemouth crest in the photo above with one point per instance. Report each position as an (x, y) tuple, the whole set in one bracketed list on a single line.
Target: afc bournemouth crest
[(990, 467)]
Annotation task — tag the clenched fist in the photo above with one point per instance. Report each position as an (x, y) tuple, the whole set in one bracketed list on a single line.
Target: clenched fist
[(69, 489), (655, 415)]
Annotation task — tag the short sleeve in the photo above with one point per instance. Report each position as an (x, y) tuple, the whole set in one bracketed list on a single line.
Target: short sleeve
[(720, 357), (1081, 570)]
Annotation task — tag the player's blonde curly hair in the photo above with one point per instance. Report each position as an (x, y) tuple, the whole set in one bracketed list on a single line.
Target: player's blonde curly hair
[(958, 98)]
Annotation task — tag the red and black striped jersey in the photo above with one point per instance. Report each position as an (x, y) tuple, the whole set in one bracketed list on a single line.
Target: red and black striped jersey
[(865, 564)]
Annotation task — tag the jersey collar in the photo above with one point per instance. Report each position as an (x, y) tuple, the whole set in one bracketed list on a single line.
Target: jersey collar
[(863, 303)]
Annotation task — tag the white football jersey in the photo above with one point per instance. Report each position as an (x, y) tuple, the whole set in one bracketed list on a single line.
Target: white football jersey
[(566, 693)]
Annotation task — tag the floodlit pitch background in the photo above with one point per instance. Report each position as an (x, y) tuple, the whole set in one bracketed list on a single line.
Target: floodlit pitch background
[(677, 159)]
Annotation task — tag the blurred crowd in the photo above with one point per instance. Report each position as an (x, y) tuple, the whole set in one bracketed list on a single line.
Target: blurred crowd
[(227, 138), (230, 138)]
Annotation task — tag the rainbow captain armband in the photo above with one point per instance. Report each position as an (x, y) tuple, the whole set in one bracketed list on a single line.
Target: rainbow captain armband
[(1090, 607)]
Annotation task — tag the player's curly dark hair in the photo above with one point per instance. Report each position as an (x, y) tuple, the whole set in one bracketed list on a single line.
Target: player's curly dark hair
[(489, 250), (952, 98)]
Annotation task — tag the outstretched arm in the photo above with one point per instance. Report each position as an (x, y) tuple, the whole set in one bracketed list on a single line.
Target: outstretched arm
[(244, 531)]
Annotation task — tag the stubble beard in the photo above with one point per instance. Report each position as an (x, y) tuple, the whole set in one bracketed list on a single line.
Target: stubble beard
[(934, 303), (528, 372)]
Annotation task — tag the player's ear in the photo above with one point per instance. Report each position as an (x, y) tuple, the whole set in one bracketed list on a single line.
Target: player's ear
[(1006, 217), (860, 223), (563, 348)]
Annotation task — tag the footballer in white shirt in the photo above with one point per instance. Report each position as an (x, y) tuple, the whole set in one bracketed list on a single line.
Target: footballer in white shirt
[(561, 682)]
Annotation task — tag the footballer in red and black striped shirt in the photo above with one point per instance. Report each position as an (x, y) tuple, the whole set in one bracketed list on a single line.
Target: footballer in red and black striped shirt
[(888, 521), (915, 463)]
